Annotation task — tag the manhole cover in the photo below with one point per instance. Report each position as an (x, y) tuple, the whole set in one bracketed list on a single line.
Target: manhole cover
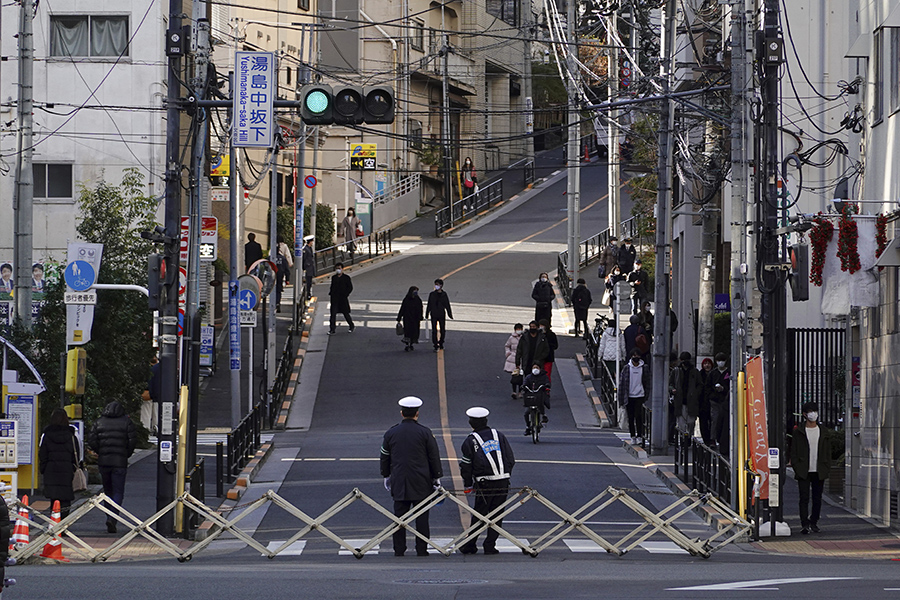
[(441, 581)]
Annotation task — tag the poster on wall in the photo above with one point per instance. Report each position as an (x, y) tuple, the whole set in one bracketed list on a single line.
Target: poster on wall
[(6, 280), (22, 409)]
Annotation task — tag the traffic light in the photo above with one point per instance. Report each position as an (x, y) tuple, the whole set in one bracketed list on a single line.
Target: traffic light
[(156, 275), (799, 273), (378, 105), (316, 104), (348, 105)]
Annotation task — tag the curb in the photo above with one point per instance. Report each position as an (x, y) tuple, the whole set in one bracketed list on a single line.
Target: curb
[(363, 263), (709, 516), (592, 394), (242, 482), (284, 411)]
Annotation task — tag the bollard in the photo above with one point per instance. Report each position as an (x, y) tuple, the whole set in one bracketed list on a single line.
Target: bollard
[(220, 470)]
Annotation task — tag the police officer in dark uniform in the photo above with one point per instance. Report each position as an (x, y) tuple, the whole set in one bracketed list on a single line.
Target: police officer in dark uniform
[(411, 467), (486, 464)]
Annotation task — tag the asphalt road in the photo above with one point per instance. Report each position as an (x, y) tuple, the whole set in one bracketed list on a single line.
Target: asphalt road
[(488, 273)]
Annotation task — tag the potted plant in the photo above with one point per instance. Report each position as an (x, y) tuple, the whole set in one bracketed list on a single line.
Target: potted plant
[(430, 154)]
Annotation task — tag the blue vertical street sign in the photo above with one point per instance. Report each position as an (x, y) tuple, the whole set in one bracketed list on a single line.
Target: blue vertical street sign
[(234, 326)]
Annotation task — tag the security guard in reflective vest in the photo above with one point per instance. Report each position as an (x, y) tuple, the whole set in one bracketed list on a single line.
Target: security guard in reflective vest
[(486, 464), (411, 467)]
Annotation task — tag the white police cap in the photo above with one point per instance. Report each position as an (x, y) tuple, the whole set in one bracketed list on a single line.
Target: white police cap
[(410, 402), (477, 412)]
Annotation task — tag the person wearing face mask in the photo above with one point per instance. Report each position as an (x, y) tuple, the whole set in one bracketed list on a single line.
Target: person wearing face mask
[(350, 228), (634, 388), (439, 309), (811, 459), (411, 316), (718, 381), (552, 345), (469, 178), (705, 415), (510, 364), (684, 385), (341, 288), (537, 381), (581, 302), (532, 348), (543, 295)]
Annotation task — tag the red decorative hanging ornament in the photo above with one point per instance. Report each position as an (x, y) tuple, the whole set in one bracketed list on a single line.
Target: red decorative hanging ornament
[(880, 235), (848, 239), (819, 236)]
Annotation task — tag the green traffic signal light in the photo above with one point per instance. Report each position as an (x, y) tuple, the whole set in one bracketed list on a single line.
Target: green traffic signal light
[(316, 104)]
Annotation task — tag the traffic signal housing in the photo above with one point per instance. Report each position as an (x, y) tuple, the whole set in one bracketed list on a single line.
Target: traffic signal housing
[(316, 103), (346, 105), (378, 105), (156, 276)]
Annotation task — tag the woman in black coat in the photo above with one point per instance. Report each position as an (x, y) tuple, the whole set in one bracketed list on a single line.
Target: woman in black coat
[(543, 295), (58, 459), (411, 316)]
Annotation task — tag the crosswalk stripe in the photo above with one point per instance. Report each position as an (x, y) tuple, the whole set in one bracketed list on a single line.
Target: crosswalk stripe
[(295, 549), (357, 544), (662, 548)]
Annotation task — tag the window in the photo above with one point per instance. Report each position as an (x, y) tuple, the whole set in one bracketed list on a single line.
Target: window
[(506, 10), (415, 134), (895, 69), (303, 4), (52, 181), (878, 78), (287, 71), (285, 193), (88, 36), (418, 35)]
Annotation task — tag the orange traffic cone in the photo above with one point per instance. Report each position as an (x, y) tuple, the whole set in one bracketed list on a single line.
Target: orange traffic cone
[(19, 538), (53, 548)]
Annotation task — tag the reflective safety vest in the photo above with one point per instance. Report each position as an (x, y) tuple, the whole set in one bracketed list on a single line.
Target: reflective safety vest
[(494, 456)]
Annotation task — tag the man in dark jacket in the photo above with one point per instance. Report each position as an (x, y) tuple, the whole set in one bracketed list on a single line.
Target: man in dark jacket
[(625, 256), (252, 251), (543, 295), (486, 465), (533, 348), (309, 264), (113, 438), (581, 302), (718, 382), (411, 467), (439, 309), (685, 387), (631, 334), (811, 459), (341, 288), (637, 279)]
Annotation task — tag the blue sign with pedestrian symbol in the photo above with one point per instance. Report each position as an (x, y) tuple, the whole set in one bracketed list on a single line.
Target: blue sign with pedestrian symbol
[(247, 300), (79, 275)]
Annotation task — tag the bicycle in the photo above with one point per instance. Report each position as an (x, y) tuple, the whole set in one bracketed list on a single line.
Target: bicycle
[(533, 399)]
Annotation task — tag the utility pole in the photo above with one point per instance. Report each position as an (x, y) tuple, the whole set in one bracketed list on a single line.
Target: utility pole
[(613, 168), (235, 198), (739, 175), (528, 26), (445, 117), (192, 301), (706, 300), (23, 203), (270, 355), (165, 474), (770, 252), (573, 183), (662, 334)]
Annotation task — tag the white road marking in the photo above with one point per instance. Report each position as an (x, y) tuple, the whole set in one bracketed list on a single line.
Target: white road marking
[(505, 546), (580, 546), (662, 548), (357, 544), (295, 549), (756, 584), (445, 459)]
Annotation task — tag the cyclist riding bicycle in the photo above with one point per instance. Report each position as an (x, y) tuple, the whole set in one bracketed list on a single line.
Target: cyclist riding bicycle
[(538, 383)]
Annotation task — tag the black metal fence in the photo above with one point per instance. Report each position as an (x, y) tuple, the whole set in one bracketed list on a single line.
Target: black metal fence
[(195, 483), (589, 250), (282, 377), (348, 253), (648, 426), (487, 196), (242, 442), (702, 468), (529, 173), (816, 372)]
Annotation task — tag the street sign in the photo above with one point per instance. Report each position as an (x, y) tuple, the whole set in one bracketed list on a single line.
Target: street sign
[(248, 318), (88, 297), (207, 345), (362, 157), (220, 166), (234, 328), (254, 93), (80, 275), (251, 284), (310, 181), (219, 194), (248, 301)]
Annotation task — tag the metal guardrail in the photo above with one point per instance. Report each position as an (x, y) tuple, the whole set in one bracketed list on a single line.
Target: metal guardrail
[(529, 173), (652, 522), (195, 484), (487, 196), (648, 427), (242, 442), (589, 250), (282, 378), (702, 468), (363, 248)]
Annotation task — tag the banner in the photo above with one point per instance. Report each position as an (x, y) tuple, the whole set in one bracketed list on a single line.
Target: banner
[(757, 430), (82, 267)]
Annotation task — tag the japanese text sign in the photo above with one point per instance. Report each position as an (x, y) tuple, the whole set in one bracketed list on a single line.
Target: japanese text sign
[(253, 94)]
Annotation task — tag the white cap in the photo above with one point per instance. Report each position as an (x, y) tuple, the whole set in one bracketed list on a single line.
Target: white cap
[(477, 412), (410, 402)]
